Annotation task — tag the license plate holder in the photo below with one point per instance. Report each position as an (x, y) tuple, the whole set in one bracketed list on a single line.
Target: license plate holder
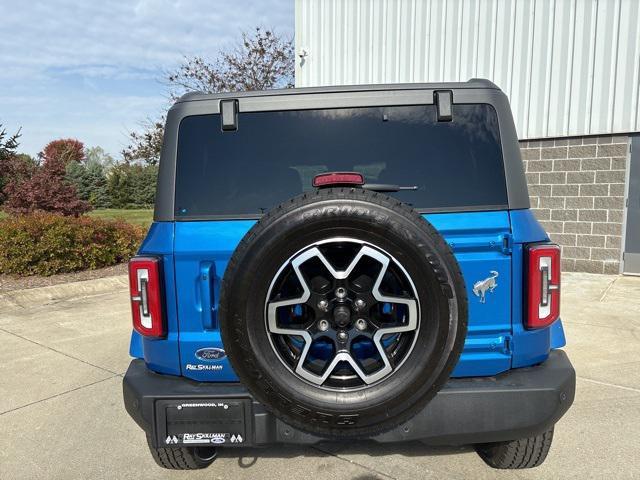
[(203, 422)]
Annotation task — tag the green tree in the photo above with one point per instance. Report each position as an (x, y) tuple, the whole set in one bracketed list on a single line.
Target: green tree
[(144, 183), (132, 186), (90, 176), (8, 147), (99, 156), (8, 144), (90, 182), (120, 186), (98, 196)]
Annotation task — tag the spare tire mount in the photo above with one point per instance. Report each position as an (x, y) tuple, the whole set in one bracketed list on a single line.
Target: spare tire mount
[(343, 311)]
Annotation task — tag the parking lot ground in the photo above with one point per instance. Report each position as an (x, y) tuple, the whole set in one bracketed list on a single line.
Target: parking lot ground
[(61, 411)]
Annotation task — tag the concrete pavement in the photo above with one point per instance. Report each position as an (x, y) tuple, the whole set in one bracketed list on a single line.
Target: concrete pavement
[(61, 412)]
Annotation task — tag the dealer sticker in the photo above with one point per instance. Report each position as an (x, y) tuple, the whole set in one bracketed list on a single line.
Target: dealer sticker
[(200, 367), (204, 437)]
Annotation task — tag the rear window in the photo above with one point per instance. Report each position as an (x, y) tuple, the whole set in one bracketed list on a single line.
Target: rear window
[(274, 156)]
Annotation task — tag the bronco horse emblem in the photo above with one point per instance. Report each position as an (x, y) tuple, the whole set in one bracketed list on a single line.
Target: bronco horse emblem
[(480, 288)]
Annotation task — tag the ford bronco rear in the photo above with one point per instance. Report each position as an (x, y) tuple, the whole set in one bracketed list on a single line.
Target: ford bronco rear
[(346, 263)]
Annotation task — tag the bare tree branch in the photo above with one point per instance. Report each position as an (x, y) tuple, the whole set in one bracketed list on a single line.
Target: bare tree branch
[(262, 60)]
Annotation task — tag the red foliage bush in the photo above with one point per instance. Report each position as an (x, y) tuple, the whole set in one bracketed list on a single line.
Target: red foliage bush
[(14, 170), (45, 244), (64, 150), (47, 189)]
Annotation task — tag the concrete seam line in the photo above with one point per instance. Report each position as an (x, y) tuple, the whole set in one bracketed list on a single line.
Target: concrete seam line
[(57, 301), (57, 351), (27, 297), (607, 384), (59, 394), (595, 325), (369, 469), (606, 290)]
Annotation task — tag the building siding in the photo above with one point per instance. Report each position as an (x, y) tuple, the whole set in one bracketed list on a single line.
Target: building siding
[(571, 70), (569, 67), (576, 187)]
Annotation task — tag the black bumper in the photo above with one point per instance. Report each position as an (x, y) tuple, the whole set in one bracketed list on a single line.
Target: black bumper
[(517, 404)]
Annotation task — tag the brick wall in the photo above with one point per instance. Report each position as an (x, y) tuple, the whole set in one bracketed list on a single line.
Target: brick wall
[(576, 186)]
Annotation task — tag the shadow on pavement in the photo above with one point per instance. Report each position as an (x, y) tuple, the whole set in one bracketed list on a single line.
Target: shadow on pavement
[(248, 457)]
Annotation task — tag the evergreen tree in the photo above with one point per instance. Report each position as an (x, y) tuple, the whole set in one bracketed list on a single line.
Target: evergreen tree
[(90, 181)]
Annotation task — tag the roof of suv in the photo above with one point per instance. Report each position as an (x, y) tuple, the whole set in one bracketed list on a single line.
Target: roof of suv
[(474, 83)]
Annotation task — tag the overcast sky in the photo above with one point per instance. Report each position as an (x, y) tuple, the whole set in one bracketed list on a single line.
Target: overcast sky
[(91, 69)]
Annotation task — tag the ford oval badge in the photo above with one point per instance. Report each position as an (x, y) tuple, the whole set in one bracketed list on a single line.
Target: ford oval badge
[(210, 354)]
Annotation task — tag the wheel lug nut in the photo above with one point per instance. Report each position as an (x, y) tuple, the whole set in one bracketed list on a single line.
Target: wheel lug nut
[(343, 336), (323, 325), (361, 324), (341, 292), (323, 305), (360, 304)]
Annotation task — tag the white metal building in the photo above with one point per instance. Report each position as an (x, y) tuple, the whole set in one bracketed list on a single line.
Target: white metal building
[(571, 69)]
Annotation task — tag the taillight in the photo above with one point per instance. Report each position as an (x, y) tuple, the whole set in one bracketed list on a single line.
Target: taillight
[(338, 178), (543, 283), (145, 286)]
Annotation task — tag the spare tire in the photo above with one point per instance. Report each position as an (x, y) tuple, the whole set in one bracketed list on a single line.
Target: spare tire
[(343, 311)]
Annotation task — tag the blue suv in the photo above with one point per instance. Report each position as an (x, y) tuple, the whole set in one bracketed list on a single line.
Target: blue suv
[(346, 263)]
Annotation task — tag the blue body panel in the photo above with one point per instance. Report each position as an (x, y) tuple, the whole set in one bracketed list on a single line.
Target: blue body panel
[(477, 240), (196, 255), (202, 251), (529, 346), (161, 355)]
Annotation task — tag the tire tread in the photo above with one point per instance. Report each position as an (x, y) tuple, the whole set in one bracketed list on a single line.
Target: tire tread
[(178, 458), (380, 200), (522, 453)]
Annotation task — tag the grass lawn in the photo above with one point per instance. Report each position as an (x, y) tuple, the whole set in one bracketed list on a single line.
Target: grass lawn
[(140, 216)]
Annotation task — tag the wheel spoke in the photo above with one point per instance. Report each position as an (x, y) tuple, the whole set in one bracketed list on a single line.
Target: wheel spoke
[(313, 330)]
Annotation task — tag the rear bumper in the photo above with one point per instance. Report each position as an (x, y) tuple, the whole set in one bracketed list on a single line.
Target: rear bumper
[(516, 404)]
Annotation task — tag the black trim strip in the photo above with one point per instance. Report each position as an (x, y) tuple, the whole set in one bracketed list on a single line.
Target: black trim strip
[(422, 211)]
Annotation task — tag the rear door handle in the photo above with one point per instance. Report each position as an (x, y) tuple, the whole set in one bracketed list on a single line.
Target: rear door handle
[(206, 282)]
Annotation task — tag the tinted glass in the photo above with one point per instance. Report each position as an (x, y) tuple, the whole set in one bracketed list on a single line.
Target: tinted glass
[(274, 156)]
